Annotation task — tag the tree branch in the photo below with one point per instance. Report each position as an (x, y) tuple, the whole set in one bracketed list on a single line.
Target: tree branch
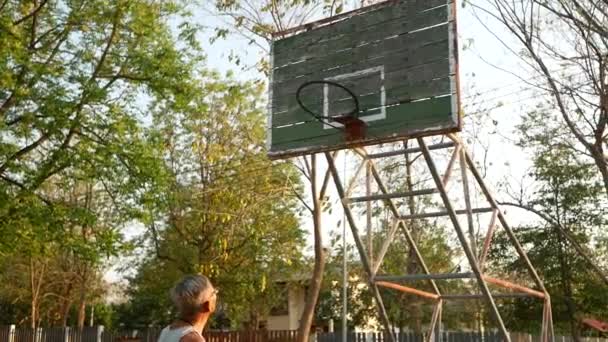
[(25, 150), (560, 228), (31, 14)]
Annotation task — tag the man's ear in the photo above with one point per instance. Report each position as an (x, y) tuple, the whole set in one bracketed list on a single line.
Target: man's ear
[(206, 307)]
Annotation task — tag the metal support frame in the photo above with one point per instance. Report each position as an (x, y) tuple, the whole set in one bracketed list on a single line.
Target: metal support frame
[(445, 213), (369, 198), (488, 240), (410, 277), (409, 150), (372, 263), (463, 240), (435, 327), (364, 260)]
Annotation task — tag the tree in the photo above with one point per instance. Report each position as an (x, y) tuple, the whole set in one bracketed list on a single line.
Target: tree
[(565, 44), (566, 189), (361, 308), (221, 207), (257, 20), (57, 262), (319, 205), (75, 81), (69, 81)]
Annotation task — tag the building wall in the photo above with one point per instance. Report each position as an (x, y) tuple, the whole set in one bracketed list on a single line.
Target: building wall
[(278, 322), (296, 300)]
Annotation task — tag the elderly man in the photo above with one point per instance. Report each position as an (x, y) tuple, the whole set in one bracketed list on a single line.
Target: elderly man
[(195, 299)]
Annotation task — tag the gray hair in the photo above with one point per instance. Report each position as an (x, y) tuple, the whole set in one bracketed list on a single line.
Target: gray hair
[(188, 294)]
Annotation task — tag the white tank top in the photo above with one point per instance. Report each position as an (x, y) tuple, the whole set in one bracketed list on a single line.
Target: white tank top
[(175, 334)]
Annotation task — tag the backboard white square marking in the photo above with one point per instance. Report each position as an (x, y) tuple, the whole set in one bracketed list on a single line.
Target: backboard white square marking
[(367, 118)]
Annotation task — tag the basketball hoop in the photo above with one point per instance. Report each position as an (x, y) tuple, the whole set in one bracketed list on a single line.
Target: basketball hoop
[(354, 128)]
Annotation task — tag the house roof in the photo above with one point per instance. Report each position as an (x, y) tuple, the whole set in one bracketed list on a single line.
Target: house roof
[(595, 324), (294, 278)]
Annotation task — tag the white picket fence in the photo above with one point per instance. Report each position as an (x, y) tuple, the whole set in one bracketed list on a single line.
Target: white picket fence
[(99, 334)]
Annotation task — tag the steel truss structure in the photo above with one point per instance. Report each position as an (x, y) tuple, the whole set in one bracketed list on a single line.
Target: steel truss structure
[(475, 259)]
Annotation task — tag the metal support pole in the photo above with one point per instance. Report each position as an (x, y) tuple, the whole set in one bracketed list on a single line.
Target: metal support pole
[(448, 170), (439, 325), (551, 336), (344, 285), (433, 329), (345, 262), (411, 277), (11, 333), (544, 328), (368, 212), (100, 329), (410, 150), (360, 248), (384, 248), (488, 240), (467, 201), (463, 240)]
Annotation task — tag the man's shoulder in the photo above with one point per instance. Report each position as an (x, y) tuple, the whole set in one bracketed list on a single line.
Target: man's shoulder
[(192, 336)]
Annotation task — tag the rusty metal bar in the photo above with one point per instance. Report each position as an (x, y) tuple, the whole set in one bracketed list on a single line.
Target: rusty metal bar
[(513, 286), (445, 213), (413, 277), (480, 296), (377, 197), (409, 150), (409, 290)]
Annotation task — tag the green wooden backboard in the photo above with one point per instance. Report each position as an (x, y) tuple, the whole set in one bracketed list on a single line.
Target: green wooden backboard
[(399, 58)]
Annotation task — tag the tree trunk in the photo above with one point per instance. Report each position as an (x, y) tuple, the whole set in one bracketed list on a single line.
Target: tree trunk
[(602, 164), (35, 285), (33, 313), (82, 305), (66, 304), (566, 280), (92, 317), (317, 277), (65, 312)]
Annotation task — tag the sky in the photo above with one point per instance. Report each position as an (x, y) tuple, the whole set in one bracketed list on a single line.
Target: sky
[(483, 61)]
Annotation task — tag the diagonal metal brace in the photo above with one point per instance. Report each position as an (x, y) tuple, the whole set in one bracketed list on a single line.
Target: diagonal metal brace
[(360, 248)]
